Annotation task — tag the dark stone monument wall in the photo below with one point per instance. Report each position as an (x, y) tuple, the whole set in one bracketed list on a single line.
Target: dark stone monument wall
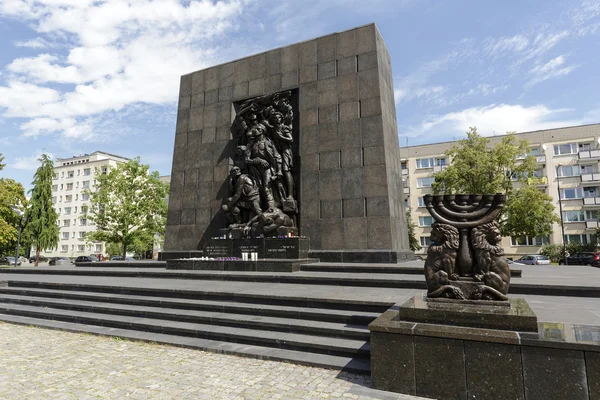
[(350, 191)]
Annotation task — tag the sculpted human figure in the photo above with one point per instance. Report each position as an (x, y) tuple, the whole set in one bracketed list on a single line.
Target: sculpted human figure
[(491, 266), (440, 262), (268, 222), (245, 196), (263, 162), (282, 135)]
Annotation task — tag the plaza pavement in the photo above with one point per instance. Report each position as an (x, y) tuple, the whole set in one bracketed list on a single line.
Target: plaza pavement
[(39, 363)]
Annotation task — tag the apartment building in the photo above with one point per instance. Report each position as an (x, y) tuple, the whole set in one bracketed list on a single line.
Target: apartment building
[(568, 170), (72, 176)]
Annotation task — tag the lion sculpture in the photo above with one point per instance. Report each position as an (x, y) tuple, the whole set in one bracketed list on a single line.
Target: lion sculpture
[(491, 267), (440, 262)]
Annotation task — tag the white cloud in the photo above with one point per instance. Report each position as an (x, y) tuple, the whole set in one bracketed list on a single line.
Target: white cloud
[(37, 43), (551, 69), (126, 53), (492, 119), (69, 126), (30, 163)]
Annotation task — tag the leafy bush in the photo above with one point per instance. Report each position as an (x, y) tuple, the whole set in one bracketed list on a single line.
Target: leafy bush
[(553, 251)]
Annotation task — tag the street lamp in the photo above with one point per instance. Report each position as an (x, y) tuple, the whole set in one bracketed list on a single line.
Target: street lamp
[(21, 214), (562, 222)]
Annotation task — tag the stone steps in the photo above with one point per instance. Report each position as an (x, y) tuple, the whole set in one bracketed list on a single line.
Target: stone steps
[(354, 365), (246, 298), (223, 306), (290, 341), (375, 268), (322, 332), (278, 324)]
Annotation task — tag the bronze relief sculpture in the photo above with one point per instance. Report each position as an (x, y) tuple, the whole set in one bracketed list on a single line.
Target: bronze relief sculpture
[(466, 260), (262, 200)]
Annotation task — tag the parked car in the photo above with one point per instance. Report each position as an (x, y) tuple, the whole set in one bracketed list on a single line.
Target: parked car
[(580, 259), (534, 259), (8, 261), (120, 258), (42, 259), (85, 259), (59, 260)]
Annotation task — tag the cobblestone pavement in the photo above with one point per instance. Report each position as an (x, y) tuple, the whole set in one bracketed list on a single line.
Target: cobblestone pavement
[(39, 363)]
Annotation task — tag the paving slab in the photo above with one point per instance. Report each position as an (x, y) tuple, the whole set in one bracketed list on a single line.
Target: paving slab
[(41, 363)]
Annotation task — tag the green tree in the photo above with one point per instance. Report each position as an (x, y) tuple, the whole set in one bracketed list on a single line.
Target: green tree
[(412, 240), (12, 194), (42, 229), (127, 204), (479, 168)]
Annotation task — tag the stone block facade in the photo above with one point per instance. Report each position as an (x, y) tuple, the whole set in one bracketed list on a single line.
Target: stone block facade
[(350, 189)]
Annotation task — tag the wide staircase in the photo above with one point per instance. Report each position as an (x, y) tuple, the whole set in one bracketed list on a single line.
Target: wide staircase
[(317, 316), (325, 332)]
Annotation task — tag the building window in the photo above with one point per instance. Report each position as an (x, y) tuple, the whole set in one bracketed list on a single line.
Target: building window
[(85, 197), (425, 182), (69, 186), (104, 170), (440, 162), (98, 248), (68, 198), (569, 170), (425, 162), (86, 172), (421, 201), (403, 166), (592, 215), (54, 199), (81, 235), (425, 241), (85, 184), (572, 193), (565, 148), (70, 174), (54, 188), (81, 248), (67, 210), (65, 235), (576, 239), (66, 222), (529, 241), (426, 221), (84, 209), (64, 248), (83, 222), (574, 216)]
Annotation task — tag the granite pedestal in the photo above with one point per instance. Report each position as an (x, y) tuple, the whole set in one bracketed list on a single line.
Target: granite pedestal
[(472, 357)]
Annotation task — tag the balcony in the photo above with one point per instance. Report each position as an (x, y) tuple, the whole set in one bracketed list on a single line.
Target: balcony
[(540, 159), (541, 181), (405, 171), (438, 168), (406, 190), (588, 155), (594, 177), (591, 201), (592, 224)]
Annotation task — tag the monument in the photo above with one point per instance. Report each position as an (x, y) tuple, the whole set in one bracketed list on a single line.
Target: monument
[(299, 143)]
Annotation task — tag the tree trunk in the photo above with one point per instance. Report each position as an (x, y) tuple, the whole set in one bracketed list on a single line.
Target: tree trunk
[(37, 256), (124, 251)]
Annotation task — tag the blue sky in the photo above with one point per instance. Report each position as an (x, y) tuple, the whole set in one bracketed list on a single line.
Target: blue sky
[(83, 75)]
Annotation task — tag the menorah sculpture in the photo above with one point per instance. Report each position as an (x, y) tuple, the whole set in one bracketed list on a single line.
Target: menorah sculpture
[(466, 260)]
